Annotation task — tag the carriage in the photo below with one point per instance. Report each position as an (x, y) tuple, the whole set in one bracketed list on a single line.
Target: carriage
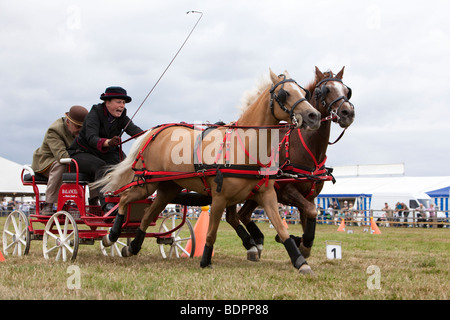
[(224, 182), (75, 222)]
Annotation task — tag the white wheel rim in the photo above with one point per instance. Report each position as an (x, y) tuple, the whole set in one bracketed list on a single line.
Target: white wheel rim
[(113, 251), (176, 248), (60, 242), (15, 240)]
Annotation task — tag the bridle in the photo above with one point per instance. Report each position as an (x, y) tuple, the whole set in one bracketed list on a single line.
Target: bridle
[(281, 98), (321, 92)]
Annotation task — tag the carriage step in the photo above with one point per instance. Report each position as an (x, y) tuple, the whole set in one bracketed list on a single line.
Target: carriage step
[(34, 236), (164, 240), (83, 241)]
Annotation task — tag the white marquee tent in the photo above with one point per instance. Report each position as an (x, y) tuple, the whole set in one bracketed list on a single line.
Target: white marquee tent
[(10, 181)]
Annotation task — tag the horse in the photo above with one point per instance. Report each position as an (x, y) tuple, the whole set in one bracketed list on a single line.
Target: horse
[(163, 161), (306, 151)]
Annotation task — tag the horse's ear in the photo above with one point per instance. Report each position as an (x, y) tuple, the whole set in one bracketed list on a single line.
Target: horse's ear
[(319, 74), (340, 73), (273, 76), (286, 73)]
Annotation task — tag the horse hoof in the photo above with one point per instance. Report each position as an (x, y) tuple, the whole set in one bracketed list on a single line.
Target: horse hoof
[(305, 269), (305, 251), (260, 249), (208, 266), (126, 252), (253, 254), (106, 242)]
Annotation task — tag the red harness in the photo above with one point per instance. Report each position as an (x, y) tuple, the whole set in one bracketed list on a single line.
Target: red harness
[(300, 173), (261, 171), (291, 172)]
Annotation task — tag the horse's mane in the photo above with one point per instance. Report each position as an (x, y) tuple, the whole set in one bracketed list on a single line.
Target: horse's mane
[(250, 96)]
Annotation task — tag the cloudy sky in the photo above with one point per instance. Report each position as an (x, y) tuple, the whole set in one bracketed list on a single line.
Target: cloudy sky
[(55, 54)]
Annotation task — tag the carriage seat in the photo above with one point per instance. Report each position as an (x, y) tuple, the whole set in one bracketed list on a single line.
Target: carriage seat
[(38, 178), (71, 177)]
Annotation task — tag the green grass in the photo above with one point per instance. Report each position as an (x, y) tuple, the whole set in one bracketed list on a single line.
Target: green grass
[(413, 263)]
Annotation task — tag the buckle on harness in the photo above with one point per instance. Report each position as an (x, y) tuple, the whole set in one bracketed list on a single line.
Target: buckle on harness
[(139, 179)]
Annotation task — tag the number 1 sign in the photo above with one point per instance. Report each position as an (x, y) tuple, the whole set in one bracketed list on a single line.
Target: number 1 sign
[(334, 250)]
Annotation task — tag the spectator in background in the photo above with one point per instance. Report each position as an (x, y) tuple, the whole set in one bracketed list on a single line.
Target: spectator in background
[(329, 214), (401, 210), (386, 215), (421, 216), (351, 214), (405, 211), (433, 216), (336, 214)]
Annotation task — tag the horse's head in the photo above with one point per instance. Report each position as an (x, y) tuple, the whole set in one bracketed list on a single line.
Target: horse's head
[(292, 101), (334, 97)]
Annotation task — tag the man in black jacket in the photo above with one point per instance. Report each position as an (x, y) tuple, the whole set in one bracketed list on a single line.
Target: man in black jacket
[(98, 144)]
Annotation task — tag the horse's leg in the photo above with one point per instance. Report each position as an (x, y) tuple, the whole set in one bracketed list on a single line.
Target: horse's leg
[(166, 192), (268, 200), (308, 217), (245, 215), (217, 207), (247, 241), (128, 196), (309, 229)]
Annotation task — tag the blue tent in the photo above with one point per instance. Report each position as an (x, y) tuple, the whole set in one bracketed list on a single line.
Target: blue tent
[(440, 197), (443, 192)]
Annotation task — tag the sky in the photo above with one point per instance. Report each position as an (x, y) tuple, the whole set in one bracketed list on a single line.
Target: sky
[(55, 54)]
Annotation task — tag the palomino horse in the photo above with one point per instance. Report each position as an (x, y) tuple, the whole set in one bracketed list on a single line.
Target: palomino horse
[(302, 154), (167, 166)]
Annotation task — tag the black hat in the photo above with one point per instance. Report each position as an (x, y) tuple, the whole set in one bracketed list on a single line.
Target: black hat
[(115, 93)]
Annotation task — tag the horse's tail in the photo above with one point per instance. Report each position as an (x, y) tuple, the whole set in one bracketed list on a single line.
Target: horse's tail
[(120, 174)]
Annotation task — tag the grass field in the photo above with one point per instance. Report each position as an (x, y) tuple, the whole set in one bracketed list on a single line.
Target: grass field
[(410, 263)]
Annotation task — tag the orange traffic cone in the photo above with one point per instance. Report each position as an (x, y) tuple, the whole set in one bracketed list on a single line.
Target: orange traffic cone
[(2, 258), (200, 231), (285, 223), (342, 226), (374, 227)]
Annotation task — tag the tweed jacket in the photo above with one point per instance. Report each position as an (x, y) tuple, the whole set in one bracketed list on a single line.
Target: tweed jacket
[(54, 146), (99, 126)]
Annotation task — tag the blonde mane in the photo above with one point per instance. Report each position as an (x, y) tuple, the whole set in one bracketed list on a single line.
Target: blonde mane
[(250, 96)]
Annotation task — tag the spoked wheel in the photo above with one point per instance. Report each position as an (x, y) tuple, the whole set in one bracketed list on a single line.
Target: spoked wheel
[(16, 234), (116, 249), (60, 241), (175, 243)]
